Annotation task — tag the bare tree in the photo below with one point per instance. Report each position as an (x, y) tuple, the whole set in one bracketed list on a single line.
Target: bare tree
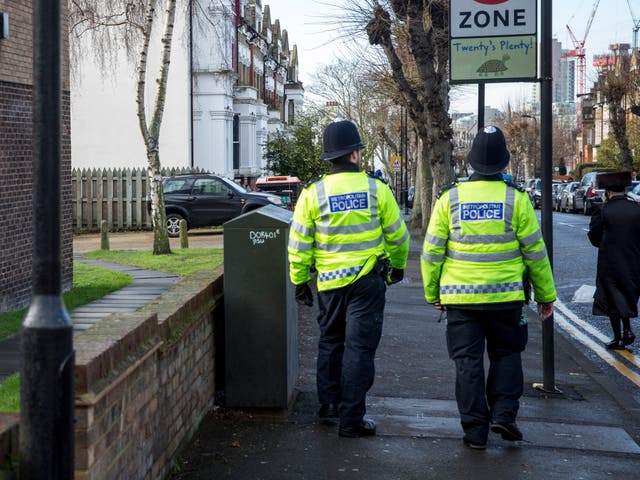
[(127, 25), (415, 41), (616, 85)]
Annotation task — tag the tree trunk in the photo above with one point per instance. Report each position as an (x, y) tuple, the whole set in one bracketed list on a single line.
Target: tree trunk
[(618, 119), (151, 132), (161, 244)]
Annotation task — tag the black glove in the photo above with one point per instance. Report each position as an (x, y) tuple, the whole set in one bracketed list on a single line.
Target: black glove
[(304, 295), (396, 275)]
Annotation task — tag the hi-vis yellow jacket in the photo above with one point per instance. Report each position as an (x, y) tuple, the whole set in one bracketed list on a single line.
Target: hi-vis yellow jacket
[(343, 222), (481, 236)]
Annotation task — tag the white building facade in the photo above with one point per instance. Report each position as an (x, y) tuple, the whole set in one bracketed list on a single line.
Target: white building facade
[(233, 79)]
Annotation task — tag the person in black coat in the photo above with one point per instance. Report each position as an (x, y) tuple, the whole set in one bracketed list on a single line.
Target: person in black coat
[(615, 230)]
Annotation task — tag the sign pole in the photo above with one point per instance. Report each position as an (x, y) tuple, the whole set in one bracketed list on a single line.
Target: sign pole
[(480, 106), (546, 140)]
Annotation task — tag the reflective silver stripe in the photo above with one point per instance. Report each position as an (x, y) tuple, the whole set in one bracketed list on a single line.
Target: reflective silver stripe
[(362, 227), (433, 240), (337, 274), (454, 205), (394, 227), (531, 239), (323, 202), (533, 256), (509, 205), (302, 230), (399, 241), (349, 247), (483, 257), (473, 239), (304, 246), (478, 289), (373, 197), (432, 257)]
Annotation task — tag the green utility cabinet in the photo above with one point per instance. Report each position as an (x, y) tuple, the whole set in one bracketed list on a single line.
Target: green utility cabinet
[(261, 315)]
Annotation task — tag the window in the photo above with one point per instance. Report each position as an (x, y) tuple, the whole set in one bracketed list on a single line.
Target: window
[(209, 186), (175, 185)]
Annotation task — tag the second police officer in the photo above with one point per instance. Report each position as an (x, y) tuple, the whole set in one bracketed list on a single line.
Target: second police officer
[(482, 236), (347, 224)]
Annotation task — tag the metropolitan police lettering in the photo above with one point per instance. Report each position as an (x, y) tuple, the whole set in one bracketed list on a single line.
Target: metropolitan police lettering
[(348, 201), (481, 212)]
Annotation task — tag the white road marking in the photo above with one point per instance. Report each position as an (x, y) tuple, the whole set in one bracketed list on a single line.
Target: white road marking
[(576, 326), (584, 294)]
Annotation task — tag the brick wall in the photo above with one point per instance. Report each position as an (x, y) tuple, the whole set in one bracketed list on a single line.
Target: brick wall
[(144, 381), (16, 163)]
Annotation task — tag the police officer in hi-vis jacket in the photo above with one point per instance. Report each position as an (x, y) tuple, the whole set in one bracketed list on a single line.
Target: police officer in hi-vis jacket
[(482, 236), (348, 224)]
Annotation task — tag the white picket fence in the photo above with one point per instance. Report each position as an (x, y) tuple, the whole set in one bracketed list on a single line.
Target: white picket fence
[(117, 196)]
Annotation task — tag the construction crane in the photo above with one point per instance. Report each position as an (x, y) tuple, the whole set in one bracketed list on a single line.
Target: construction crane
[(636, 26), (579, 52)]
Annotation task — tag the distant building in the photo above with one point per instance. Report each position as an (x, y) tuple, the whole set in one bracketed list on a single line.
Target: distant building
[(563, 86), (233, 79)]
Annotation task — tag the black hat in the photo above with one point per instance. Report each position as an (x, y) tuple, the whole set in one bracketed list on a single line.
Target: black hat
[(614, 181), (340, 138), (489, 154)]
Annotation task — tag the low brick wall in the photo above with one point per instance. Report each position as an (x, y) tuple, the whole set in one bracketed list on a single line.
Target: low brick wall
[(144, 381)]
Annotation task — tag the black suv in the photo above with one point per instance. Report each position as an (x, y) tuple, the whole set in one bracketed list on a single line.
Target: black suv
[(205, 200)]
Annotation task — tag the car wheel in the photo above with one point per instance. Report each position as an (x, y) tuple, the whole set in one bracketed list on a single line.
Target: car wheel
[(173, 224), (585, 207)]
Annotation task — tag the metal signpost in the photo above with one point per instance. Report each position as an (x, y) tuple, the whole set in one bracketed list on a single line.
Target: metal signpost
[(494, 41), (47, 389)]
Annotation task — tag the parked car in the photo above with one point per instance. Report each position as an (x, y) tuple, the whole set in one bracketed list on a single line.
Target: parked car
[(528, 187), (536, 193), (205, 200), (567, 197), (556, 191), (286, 187), (634, 193), (587, 196)]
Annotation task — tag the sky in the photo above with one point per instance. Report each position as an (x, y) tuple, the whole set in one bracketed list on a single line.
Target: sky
[(306, 24)]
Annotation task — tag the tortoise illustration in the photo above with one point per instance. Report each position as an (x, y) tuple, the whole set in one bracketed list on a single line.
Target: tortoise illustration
[(494, 66)]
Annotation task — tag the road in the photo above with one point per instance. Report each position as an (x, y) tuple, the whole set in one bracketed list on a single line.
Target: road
[(574, 262)]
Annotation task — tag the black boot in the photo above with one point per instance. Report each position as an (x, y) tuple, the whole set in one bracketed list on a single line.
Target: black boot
[(627, 335), (616, 343)]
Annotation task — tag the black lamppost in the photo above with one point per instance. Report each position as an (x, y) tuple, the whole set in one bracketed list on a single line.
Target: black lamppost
[(46, 385)]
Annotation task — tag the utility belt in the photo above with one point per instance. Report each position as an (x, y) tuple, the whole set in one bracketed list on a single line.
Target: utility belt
[(382, 267)]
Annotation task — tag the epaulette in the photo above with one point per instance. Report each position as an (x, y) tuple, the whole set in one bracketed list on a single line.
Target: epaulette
[(445, 188), (312, 181), (517, 187), (373, 175)]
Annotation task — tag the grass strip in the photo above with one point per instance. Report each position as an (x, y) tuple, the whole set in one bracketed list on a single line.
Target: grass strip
[(181, 262)]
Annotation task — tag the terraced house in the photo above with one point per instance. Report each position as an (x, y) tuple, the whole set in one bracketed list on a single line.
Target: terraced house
[(233, 79)]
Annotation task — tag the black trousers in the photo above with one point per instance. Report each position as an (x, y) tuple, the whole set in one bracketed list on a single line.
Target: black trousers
[(350, 321), (506, 336)]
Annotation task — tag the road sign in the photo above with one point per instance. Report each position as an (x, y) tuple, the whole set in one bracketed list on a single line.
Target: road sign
[(396, 163), (493, 40), (482, 18)]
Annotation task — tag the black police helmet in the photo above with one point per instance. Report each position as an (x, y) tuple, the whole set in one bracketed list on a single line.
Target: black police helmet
[(340, 138), (489, 154)]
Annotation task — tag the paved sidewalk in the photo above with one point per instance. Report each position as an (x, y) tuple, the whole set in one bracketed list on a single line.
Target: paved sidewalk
[(590, 432)]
